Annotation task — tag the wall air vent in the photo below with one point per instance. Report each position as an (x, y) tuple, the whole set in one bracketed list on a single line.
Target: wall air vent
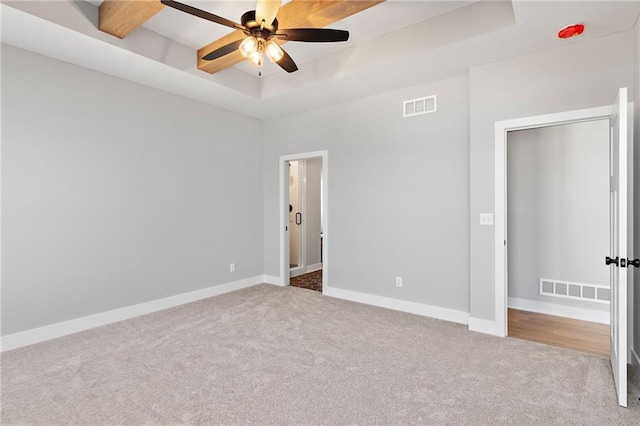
[(571, 290), (420, 106)]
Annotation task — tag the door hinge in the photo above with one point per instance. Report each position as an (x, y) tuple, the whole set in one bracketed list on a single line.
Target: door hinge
[(633, 262), (609, 261)]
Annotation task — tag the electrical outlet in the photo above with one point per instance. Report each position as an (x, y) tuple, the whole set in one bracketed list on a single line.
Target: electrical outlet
[(398, 281), (232, 267), (486, 219)]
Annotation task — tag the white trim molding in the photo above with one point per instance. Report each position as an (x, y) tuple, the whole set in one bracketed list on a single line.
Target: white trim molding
[(430, 311), (35, 335), (273, 280), (314, 267), (500, 199), (484, 326), (583, 314), (296, 272)]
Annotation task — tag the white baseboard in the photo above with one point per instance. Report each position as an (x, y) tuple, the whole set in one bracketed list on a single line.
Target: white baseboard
[(314, 267), (24, 338), (398, 305), (601, 317), (272, 279), (484, 326), (296, 272)]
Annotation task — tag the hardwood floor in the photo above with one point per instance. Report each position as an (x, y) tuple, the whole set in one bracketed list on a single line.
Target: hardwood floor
[(558, 331)]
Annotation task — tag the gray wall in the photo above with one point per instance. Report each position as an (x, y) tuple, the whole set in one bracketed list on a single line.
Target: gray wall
[(398, 192), (115, 183), (558, 209), (115, 194), (538, 83), (312, 210)]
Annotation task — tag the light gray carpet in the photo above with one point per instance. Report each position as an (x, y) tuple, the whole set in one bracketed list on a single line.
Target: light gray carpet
[(271, 355)]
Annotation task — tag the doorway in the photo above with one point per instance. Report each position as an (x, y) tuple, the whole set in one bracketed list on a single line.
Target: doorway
[(557, 232), (304, 220), (620, 258), (305, 223)]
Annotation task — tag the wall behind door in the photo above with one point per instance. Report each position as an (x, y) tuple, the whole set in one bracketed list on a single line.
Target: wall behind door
[(312, 213), (558, 209), (295, 181)]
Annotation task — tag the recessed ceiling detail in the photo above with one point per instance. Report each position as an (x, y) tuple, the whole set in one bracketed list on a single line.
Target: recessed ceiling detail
[(397, 44), (120, 18)]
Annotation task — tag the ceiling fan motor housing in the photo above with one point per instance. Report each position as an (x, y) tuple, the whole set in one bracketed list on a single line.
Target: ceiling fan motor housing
[(248, 20)]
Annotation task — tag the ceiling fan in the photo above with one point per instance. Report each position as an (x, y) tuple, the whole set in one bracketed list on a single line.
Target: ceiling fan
[(261, 28)]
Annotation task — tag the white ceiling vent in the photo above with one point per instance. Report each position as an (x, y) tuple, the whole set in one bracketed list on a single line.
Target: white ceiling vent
[(420, 106)]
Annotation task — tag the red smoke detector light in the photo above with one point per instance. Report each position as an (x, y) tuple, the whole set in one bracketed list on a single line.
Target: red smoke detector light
[(571, 31)]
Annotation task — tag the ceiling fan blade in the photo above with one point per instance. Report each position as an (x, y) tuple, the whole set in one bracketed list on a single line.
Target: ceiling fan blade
[(317, 35), (267, 10), (202, 14), (222, 51), (286, 63)]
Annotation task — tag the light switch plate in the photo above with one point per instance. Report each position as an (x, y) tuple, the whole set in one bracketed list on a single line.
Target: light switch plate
[(486, 218)]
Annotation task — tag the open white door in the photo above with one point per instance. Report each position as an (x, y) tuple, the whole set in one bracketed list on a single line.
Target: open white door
[(619, 198)]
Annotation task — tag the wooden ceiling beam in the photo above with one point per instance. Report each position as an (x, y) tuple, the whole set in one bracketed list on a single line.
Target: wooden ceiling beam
[(120, 17), (295, 14)]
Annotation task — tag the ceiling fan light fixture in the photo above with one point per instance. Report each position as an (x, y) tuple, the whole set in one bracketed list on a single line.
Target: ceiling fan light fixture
[(256, 58), (274, 52), (248, 47)]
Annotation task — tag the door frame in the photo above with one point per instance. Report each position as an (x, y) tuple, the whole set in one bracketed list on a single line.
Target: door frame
[(284, 213), (500, 207)]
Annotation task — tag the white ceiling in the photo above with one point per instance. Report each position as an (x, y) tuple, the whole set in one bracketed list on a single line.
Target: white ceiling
[(392, 45)]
